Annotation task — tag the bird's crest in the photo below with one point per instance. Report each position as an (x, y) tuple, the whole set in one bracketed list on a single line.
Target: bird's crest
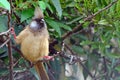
[(38, 13)]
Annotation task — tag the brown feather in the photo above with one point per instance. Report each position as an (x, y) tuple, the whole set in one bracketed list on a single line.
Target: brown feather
[(41, 71), (35, 45), (38, 13)]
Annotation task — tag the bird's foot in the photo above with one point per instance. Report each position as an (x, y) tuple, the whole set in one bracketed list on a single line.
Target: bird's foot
[(13, 32), (48, 58)]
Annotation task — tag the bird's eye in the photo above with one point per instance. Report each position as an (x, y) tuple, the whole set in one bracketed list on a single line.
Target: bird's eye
[(42, 20)]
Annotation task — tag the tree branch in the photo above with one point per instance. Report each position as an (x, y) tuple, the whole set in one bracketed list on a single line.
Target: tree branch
[(9, 44), (3, 11), (5, 43), (5, 33), (79, 27), (105, 8)]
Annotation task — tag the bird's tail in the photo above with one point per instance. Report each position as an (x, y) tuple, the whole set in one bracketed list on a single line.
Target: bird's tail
[(41, 71)]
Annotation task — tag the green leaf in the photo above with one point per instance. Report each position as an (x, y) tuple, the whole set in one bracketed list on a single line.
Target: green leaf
[(3, 28), (57, 5), (5, 4), (3, 71), (66, 27), (118, 68), (54, 25), (103, 22), (75, 20), (33, 71), (99, 3), (104, 2), (85, 43), (49, 7), (78, 7), (27, 13), (3, 23), (1, 5), (114, 55), (57, 67), (42, 5), (77, 49), (118, 6)]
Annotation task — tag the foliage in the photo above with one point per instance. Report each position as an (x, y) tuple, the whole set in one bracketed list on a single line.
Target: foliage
[(97, 41)]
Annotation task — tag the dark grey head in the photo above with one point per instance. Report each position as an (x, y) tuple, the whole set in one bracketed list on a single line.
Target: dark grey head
[(37, 24)]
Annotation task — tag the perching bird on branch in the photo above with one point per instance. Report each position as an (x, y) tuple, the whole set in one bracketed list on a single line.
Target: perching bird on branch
[(34, 42)]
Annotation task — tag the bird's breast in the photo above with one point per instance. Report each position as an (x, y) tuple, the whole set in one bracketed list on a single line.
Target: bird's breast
[(35, 47)]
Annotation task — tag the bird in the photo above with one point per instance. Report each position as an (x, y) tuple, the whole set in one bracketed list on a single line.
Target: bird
[(34, 42)]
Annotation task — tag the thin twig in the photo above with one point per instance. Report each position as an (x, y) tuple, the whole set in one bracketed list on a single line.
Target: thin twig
[(17, 17), (17, 61), (105, 8), (5, 33), (5, 43), (86, 69), (9, 44), (10, 60), (69, 49), (105, 68), (3, 11), (100, 76)]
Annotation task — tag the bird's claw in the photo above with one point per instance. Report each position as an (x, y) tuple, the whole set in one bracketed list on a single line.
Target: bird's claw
[(12, 31), (48, 57)]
